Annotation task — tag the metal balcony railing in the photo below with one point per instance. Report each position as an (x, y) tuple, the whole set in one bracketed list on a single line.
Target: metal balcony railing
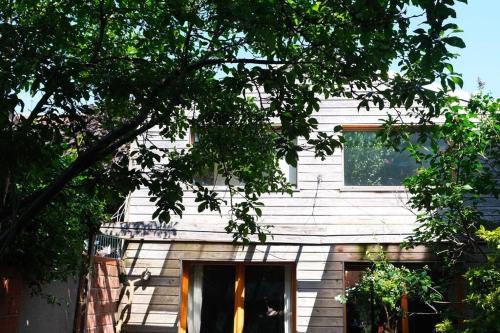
[(108, 246)]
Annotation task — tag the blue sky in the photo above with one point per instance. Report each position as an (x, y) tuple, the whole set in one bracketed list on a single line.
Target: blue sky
[(481, 58)]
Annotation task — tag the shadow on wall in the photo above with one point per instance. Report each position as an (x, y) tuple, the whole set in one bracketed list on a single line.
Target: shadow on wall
[(38, 315), (103, 296), (319, 274), (155, 303), (142, 229)]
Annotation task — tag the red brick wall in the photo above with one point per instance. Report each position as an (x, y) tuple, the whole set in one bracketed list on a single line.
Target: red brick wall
[(104, 296), (10, 298)]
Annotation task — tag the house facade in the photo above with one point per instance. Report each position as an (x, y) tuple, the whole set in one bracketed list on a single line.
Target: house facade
[(341, 207)]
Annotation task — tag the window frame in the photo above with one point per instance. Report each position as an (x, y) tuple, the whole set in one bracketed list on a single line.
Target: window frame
[(365, 188), (239, 300), (362, 265), (223, 187), (215, 185)]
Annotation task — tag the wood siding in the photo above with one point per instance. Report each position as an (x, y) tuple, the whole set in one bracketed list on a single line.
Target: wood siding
[(321, 227), (319, 275), (321, 211)]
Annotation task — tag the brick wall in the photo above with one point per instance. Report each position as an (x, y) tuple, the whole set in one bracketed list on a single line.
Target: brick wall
[(104, 295), (10, 298)]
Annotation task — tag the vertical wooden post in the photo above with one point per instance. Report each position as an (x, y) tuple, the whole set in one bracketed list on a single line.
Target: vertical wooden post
[(184, 299), (294, 299), (87, 292), (404, 321), (239, 299)]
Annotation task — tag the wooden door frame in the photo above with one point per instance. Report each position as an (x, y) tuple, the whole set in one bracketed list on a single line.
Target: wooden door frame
[(239, 285)]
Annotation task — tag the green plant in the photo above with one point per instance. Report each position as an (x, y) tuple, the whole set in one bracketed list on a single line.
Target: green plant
[(52, 247), (483, 287), (461, 179), (461, 175), (381, 287)]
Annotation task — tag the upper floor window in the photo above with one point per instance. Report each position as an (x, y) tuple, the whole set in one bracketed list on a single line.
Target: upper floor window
[(209, 175), (212, 175), (368, 162), (289, 171)]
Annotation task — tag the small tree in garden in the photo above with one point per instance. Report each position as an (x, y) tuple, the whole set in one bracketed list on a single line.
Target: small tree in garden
[(461, 176), (381, 288), (456, 194), (483, 286)]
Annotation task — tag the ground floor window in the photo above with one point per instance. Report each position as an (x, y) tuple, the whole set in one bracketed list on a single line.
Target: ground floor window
[(238, 298), (416, 317)]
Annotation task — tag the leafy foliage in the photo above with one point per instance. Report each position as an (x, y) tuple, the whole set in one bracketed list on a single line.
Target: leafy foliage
[(51, 247), (231, 67), (456, 195), (369, 161), (382, 286), (483, 285), (459, 179)]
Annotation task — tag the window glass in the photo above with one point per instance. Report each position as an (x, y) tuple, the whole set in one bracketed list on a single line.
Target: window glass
[(289, 171), (211, 299), (367, 162), (264, 299), (211, 176), (267, 298), (421, 318)]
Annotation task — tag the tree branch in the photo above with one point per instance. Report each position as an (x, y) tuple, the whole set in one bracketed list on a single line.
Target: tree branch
[(39, 106), (102, 28), (104, 146), (39, 200), (249, 61)]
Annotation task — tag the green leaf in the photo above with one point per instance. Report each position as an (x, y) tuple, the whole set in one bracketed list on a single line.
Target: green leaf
[(454, 41)]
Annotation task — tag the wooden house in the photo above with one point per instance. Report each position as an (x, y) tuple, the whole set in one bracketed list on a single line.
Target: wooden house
[(202, 282)]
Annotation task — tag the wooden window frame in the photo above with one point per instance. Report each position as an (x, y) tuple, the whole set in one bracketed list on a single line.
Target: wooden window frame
[(239, 291), (184, 299), (361, 127), (365, 188), (275, 127), (405, 322), (370, 127)]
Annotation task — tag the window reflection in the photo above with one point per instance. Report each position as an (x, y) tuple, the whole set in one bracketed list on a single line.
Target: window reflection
[(211, 299), (264, 299), (368, 162), (265, 306)]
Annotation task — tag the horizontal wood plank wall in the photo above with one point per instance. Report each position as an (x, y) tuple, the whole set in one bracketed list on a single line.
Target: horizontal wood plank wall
[(318, 212), (319, 276)]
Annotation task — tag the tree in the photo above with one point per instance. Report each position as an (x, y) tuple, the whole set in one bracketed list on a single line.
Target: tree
[(483, 284), (457, 196), (51, 247), (460, 179), (136, 65)]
